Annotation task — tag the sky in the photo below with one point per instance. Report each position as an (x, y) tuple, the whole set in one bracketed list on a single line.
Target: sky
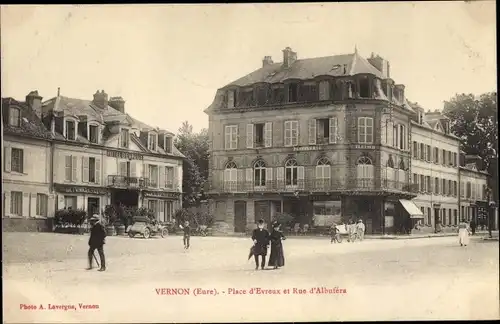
[(167, 61)]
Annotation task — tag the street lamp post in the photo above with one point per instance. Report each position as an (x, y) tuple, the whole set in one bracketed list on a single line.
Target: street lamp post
[(491, 210)]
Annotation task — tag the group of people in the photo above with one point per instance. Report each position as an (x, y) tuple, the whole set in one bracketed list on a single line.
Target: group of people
[(354, 231), (261, 240)]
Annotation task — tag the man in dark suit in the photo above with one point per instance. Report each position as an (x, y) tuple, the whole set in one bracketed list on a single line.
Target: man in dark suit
[(260, 237), (96, 242)]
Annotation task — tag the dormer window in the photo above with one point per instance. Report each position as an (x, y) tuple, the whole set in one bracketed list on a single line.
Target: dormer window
[(231, 98), (168, 144), (70, 130), (364, 88), (152, 142), (124, 138), (93, 134), (14, 117), (293, 92)]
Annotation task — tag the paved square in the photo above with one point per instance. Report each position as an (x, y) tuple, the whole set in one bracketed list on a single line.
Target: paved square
[(384, 280)]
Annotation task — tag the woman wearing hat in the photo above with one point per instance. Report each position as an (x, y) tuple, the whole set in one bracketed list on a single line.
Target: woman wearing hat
[(277, 257), (463, 233)]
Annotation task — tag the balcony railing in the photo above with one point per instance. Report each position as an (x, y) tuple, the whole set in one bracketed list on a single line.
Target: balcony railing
[(313, 185), (127, 182)]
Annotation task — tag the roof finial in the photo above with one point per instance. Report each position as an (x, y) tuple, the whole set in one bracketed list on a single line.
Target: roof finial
[(355, 49), (58, 91)]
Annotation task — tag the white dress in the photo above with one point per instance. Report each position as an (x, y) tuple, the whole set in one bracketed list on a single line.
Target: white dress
[(463, 234)]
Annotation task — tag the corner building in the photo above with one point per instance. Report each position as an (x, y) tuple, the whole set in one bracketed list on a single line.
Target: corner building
[(321, 139)]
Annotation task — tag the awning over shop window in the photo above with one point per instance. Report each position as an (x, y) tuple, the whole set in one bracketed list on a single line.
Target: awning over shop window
[(411, 208)]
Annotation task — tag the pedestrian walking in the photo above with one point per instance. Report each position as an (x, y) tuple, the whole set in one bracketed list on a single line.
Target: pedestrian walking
[(463, 233), (260, 237), (277, 257), (96, 242), (334, 233), (351, 231), (360, 230), (187, 234), (473, 226)]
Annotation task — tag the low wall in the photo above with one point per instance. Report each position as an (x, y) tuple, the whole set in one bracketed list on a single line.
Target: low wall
[(26, 225)]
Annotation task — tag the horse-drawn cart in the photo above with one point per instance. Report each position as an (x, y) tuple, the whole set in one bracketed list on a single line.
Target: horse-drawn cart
[(147, 228)]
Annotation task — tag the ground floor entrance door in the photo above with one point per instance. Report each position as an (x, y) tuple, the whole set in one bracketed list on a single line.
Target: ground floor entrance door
[(93, 206), (240, 216), (436, 219)]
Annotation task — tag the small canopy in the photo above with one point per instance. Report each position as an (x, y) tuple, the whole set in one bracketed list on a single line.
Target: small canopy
[(412, 209)]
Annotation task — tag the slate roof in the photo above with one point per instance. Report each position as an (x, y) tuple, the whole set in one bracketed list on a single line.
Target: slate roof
[(87, 110), (30, 124), (310, 68)]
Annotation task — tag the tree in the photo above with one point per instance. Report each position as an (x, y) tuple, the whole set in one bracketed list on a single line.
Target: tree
[(195, 167), (474, 121)]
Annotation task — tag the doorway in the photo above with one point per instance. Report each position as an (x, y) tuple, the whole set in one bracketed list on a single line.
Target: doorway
[(93, 204), (240, 216), (437, 222)]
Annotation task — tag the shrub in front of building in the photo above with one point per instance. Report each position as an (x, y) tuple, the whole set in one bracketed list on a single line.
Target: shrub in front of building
[(69, 221)]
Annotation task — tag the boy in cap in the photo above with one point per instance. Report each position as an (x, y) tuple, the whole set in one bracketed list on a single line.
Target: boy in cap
[(96, 242)]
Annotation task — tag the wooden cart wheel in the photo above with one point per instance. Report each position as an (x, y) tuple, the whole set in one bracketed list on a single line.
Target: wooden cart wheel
[(164, 232), (339, 238), (130, 234), (147, 233)]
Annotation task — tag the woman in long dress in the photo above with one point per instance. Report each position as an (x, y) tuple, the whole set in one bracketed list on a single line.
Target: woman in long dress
[(277, 257), (463, 233)]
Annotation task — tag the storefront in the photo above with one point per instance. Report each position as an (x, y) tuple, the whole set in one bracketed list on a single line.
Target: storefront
[(91, 199), (163, 204)]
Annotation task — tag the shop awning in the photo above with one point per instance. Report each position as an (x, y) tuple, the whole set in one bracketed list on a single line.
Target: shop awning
[(411, 208)]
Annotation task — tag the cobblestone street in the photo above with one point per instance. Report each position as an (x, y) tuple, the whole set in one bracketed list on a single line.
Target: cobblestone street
[(384, 280)]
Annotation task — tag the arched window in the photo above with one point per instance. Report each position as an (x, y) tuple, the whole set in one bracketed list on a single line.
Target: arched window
[(402, 174), (390, 172), (323, 169), (364, 171), (230, 176), (259, 173), (291, 172)]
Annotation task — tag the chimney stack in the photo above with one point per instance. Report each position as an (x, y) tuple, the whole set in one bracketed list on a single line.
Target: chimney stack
[(34, 101), (100, 99), (117, 103), (267, 61), (400, 88), (289, 57), (380, 64)]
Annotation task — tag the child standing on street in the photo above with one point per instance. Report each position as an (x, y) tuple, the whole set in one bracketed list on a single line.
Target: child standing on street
[(187, 234), (334, 232)]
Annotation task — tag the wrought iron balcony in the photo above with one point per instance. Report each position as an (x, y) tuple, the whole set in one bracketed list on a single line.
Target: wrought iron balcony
[(311, 185), (127, 182)]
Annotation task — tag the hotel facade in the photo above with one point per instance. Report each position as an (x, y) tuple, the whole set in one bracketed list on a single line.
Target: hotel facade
[(327, 140), (98, 155)]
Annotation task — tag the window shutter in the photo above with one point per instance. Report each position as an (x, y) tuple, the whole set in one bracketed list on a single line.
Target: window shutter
[(8, 158), (312, 131), (227, 137), (280, 177), (177, 186), (7, 203), (227, 175), (85, 169), (123, 169), (300, 176), (249, 177), (33, 209), (327, 172), (74, 165), (161, 174), (269, 178), (26, 204), (324, 93), (250, 135), (296, 138), (25, 166), (145, 170), (268, 134), (288, 134), (98, 171), (236, 137), (133, 169), (333, 130)]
